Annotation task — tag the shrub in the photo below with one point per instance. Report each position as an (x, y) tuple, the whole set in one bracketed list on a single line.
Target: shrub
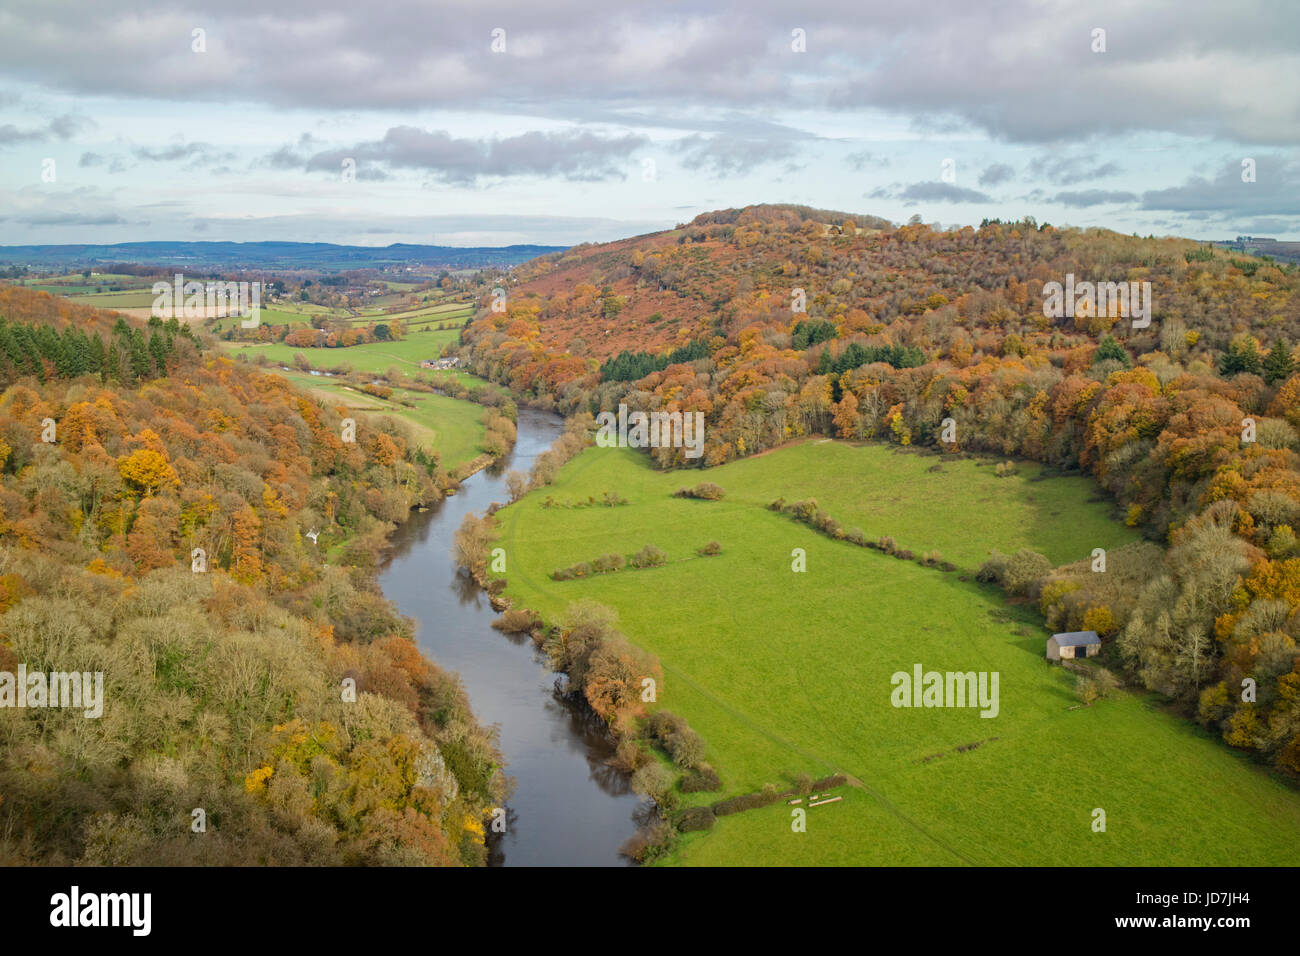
[(857, 536), (831, 782), (628, 756), (662, 723), (704, 779), (1024, 569), (705, 491), (994, 570), (746, 801), (685, 747), (696, 818), (708, 491), (712, 548), (648, 557), (1087, 689), (649, 843), (516, 621), (609, 562), (888, 545), (804, 510), (655, 781)]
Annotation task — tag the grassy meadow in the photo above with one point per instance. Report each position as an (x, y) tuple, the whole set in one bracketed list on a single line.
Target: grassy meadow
[(452, 427), (371, 357), (785, 673)]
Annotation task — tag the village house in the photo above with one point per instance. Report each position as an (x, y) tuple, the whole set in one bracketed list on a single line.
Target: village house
[(1073, 644), (445, 363)]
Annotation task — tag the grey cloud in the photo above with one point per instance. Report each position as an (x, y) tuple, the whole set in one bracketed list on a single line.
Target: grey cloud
[(724, 155), (1275, 191), (930, 191), (71, 219), (1172, 65), (996, 175), (1093, 197), (198, 154), (1070, 170), (575, 155), (61, 128)]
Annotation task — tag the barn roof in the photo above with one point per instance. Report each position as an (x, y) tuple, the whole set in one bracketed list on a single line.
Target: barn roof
[(1076, 638)]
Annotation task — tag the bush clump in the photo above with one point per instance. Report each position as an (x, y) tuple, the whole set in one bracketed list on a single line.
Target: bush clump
[(686, 747), (696, 818), (517, 621), (710, 549), (705, 491), (1016, 573), (649, 557), (649, 843), (746, 801), (704, 779)]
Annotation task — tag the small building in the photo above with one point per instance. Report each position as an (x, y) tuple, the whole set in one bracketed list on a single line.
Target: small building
[(1073, 644), (442, 364)]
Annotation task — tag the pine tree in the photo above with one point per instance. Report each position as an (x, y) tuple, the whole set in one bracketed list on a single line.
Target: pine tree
[(1278, 364), (1111, 349)]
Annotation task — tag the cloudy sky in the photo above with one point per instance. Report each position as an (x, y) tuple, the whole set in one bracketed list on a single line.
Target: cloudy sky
[(557, 122)]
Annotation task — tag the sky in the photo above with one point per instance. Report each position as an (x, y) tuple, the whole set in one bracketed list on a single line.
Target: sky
[(559, 122)]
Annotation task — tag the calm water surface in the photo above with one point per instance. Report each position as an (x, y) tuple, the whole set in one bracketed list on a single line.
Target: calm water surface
[(568, 807)]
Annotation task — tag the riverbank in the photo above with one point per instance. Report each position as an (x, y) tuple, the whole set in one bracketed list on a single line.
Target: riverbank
[(568, 807)]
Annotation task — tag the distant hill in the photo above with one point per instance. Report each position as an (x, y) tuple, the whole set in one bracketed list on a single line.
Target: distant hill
[(1280, 249), (272, 255)]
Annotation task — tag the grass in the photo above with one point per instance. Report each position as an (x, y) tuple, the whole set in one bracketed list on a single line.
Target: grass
[(453, 427), (785, 673), (372, 357)]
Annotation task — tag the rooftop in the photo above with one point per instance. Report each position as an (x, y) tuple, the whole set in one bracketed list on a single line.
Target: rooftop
[(1076, 638)]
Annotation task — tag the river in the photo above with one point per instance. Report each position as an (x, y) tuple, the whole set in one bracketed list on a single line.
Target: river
[(568, 808)]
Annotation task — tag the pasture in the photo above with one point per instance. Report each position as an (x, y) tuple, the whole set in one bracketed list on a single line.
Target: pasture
[(371, 357), (786, 672)]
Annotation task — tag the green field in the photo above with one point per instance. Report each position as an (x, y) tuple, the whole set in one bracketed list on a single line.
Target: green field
[(785, 673), (138, 295), (372, 357), (126, 299)]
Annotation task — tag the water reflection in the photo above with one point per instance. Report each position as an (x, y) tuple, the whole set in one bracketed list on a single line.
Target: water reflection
[(569, 807)]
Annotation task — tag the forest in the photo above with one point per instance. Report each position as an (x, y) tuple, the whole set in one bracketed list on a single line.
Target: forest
[(206, 537)]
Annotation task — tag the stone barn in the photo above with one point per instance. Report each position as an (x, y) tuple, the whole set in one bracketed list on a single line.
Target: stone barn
[(1073, 644)]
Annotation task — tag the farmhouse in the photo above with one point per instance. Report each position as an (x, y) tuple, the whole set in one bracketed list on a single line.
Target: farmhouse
[(440, 363), (1073, 644)]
